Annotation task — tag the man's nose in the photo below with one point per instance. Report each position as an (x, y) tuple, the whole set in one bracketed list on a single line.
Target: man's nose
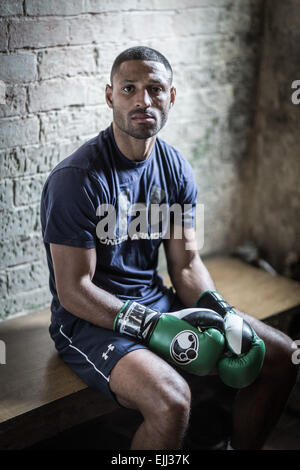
[(143, 99)]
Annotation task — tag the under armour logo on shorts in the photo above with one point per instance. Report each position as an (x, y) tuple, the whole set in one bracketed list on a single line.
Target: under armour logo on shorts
[(109, 348)]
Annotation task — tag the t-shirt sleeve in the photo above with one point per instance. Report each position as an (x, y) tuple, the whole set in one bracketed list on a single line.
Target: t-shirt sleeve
[(69, 209), (188, 193)]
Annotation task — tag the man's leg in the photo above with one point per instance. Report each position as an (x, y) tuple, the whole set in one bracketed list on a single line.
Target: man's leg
[(143, 381), (258, 407), (129, 372)]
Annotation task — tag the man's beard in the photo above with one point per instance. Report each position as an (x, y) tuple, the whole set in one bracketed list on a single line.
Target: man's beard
[(142, 130)]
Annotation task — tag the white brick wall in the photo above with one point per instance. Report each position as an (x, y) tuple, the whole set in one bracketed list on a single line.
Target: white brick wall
[(18, 67), (15, 131), (55, 59), (67, 61)]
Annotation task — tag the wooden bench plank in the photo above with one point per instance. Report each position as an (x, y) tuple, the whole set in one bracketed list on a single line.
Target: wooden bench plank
[(52, 418), (33, 374), (252, 289), (39, 394)]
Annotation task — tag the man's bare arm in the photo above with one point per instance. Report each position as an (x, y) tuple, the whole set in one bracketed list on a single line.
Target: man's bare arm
[(187, 272), (74, 270)]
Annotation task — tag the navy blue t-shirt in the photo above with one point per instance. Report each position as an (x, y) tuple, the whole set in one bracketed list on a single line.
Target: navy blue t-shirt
[(98, 198)]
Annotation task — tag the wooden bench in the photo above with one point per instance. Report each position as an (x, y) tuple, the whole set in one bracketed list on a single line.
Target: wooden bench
[(40, 396)]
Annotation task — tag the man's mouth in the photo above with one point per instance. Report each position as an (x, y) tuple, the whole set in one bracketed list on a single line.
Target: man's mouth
[(142, 117)]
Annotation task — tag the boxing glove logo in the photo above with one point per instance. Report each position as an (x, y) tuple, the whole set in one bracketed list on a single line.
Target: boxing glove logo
[(184, 347)]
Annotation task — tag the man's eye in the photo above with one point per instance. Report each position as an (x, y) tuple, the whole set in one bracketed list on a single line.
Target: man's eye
[(156, 89), (127, 89)]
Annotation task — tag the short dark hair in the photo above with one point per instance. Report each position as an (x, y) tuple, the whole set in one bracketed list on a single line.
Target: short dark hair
[(140, 53)]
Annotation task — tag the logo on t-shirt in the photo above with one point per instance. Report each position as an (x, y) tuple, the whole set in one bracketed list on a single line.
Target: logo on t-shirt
[(140, 220)]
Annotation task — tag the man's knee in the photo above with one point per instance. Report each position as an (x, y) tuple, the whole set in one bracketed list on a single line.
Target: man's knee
[(173, 396), (146, 382), (278, 364), (167, 398), (171, 411), (283, 353), (279, 353)]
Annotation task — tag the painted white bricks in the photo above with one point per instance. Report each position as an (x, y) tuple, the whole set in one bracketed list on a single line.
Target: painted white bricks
[(66, 92), (11, 7), (6, 194), (67, 61), (15, 131), (19, 222), (17, 251), (80, 121), (25, 301), (25, 277), (54, 7), (3, 34), (2, 92), (94, 29), (77, 7), (14, 101), (55, 60), (37, 32), (61, 92), (28, 190), (18, 67), (10, 163)]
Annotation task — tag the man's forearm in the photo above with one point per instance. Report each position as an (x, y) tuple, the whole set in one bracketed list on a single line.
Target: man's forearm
[(91, 303), (191, 281)]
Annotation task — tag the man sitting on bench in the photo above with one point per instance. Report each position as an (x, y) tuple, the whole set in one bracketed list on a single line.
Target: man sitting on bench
[(113, 320)]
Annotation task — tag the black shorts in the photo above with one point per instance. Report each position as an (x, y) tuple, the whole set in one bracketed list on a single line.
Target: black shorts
[(92, 351)]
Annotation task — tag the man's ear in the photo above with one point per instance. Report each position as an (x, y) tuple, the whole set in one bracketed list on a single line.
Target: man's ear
[(108, 95), (172, 96)]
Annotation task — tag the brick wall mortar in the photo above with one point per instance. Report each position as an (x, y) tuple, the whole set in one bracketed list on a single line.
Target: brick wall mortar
[(55, 59)]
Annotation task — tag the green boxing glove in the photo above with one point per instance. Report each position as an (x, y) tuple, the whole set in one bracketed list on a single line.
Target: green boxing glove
[(245, 351), (191, 338)]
